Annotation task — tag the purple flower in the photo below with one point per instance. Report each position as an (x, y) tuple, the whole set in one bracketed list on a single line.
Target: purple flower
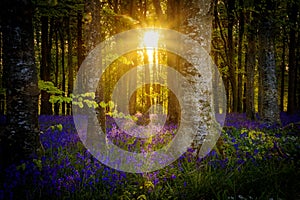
[(173, 176), (236, 146)]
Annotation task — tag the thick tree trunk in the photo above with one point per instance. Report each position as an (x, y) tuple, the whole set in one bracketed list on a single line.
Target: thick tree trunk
[(270, 109), (92, 38), (20, 139), (198, 25)]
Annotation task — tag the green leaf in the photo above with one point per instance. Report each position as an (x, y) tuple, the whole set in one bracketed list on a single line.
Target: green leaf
[(102, 104), (49, 87), (111, 104), (38, 163), (59, 127), (80, 104), (130, 141), (22, 167)]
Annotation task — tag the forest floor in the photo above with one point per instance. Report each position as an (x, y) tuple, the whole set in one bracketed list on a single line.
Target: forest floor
[(250, 161)]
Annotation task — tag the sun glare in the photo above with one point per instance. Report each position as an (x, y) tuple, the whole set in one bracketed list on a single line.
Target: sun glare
[(151, 39)]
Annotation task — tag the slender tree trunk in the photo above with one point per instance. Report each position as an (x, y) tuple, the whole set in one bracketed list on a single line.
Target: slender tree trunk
[(298, 66), (20, 138), (2, 96), (292, 59), (56, 105), (46, 106), (63, 73), (133, 84), (147, 93), (215, 55), (174, 18), (240, 68), (282, 71), (70, 65), (231, 63), (79, 40), (133, 80), (250, 68)]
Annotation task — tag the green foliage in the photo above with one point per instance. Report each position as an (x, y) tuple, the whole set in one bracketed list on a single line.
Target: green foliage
[(49, 87), (58, 127), (38, 163), (81, 100)]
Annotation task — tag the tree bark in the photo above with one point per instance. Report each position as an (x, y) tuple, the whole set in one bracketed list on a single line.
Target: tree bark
[(92, 38), (2, 96), (70, 65), (282, 71), (46, 106), (250, 67), (198, 25), (20, 138), (292, 59), (270, 109), (63, 73), (56, 105), (174, 18), (230, 58), (240, 67)]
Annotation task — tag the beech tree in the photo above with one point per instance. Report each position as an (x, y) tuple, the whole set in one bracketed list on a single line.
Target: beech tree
[(198, 26), (266, 35), (20, 137)]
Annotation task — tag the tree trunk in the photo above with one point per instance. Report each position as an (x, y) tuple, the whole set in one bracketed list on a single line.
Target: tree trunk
[(70, 65), (174, 18), (250, 68), (282, 71), (240, 68), (147, 93), (63, 73), (198, 25), (56, 105), (292, 59), (270, 109), (231, 63), (46, 106), (297, 64), (92, 38), (20, 138), (2, 96)]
